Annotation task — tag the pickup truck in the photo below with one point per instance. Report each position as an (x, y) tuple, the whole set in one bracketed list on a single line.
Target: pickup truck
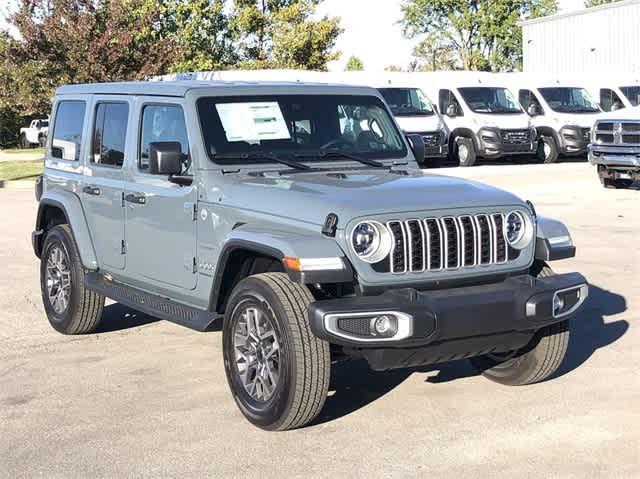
[(35, 134)]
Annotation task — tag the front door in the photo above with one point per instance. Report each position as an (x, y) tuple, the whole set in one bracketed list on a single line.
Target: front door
[(103, 186), (161, 226)]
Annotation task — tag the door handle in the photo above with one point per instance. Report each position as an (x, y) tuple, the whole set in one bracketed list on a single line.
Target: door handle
[(137, 198), (91, 190)]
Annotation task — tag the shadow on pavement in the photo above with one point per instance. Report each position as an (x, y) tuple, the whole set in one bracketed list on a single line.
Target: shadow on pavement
[(354, 385), (590, 332), (116, 317)]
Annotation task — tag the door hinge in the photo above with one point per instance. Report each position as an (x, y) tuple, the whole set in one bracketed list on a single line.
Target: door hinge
[(195, 266), (191, 209), (195, 213), (123, 247), (122, 199)]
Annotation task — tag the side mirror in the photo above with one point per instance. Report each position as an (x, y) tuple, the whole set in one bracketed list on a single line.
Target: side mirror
[(165, 158), (533, 110), (417, 147), (452, 111), (617, 106)]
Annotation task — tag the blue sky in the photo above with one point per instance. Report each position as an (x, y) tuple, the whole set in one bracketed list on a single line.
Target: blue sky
[(371, 30)]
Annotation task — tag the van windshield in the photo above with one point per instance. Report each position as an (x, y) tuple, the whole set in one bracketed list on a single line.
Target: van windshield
[(241, 129), (632, 93), (407, 101), (569, 100), (490, 100)]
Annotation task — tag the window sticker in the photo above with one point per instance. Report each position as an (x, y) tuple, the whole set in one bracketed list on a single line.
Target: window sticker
[(253, 122)]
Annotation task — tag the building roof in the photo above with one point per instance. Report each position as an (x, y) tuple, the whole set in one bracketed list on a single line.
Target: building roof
[(181, 87)]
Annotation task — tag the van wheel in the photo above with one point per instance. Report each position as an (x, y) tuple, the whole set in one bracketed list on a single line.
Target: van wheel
[(465, 151), (537, 360), (278, 371), (547, 151), (70, 307)]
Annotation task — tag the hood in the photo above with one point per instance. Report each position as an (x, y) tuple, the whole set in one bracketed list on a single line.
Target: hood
[(584, 120), (419, 124), (631, 113), (310, 197), (516, 121)]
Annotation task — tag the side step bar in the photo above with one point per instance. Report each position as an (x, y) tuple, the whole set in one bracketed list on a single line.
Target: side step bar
[(151, 304)]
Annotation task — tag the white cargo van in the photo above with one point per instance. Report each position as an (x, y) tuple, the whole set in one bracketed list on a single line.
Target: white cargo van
[(484, 118), (563, 113), (411, 107), (614, 93)]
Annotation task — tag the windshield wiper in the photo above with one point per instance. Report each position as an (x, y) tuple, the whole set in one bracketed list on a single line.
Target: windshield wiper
[(262, 156), (340, 154)]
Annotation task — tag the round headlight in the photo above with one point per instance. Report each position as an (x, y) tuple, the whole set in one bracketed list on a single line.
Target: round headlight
[(516, 230), (371, 241)]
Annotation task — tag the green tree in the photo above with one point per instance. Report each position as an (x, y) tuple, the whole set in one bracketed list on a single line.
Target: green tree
[(595, 3), (471, 34), (354, 64), (76, 41), (282, 34)]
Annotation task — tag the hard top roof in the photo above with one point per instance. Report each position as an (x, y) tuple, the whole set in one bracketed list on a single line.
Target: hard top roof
[(181, 87)]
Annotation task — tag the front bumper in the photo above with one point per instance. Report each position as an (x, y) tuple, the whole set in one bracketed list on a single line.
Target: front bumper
[(573, 140), (625, 157), (492, 145), (450, 323)]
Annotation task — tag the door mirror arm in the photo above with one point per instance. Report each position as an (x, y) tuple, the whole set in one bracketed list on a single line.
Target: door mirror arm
[(182, 180)]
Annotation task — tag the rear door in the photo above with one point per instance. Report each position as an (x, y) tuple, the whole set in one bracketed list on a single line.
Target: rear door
[(161, 226), (103, 185)]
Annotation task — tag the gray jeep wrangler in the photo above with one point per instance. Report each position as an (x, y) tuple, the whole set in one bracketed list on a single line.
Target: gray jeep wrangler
[(296, 215)]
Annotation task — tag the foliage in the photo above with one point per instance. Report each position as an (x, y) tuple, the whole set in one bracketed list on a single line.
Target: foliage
[(354, 64), (78, 41), (470, 34), (10, 123)]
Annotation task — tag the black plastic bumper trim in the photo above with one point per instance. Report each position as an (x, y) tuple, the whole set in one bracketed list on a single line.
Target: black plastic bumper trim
[(450, 314)]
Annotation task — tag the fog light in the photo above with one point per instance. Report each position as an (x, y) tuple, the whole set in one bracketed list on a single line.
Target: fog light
[(558, 304), (384, 326)]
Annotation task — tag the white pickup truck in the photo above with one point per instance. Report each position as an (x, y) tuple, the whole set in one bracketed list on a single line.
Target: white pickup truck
[(35, 134)]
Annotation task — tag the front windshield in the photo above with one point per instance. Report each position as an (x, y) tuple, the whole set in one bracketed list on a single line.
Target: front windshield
[(407, 101), (490, 100), (235, 128), (569, 100), (632, 93)]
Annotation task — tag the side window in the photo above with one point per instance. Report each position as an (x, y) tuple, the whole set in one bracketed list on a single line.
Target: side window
[(446, 98), (608, 98), (161, 123), (67, 130), (110, 133), (528, 98)]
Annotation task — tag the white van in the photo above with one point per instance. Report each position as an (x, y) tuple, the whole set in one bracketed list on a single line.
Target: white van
[(411, 107), (614, 93), (484, 118), (563, 113)]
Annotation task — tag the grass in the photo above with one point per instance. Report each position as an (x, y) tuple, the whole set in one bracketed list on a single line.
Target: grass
[(20, 170), (24, 151)]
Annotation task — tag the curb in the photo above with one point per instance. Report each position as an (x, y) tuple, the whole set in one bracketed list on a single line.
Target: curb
[(17, 184)]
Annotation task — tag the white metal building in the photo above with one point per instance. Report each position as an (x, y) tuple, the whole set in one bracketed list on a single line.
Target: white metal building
[(599, 39)]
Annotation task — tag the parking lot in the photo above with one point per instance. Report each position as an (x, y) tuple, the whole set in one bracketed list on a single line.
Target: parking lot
[(149, 398)]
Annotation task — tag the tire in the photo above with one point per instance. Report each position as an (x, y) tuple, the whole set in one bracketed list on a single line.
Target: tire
[(465, 151), (300, 364), (547, 151), (80, 313), (42, 141), (537, 360), (24, 143)]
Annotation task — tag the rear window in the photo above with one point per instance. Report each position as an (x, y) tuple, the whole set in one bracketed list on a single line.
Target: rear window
[(67, 133)]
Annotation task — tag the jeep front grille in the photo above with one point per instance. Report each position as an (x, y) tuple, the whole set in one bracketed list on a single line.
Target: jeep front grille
[(515, 137), (617, 132), (446, 243)]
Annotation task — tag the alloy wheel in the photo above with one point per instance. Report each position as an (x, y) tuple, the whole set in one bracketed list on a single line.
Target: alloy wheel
[(58, 279)]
